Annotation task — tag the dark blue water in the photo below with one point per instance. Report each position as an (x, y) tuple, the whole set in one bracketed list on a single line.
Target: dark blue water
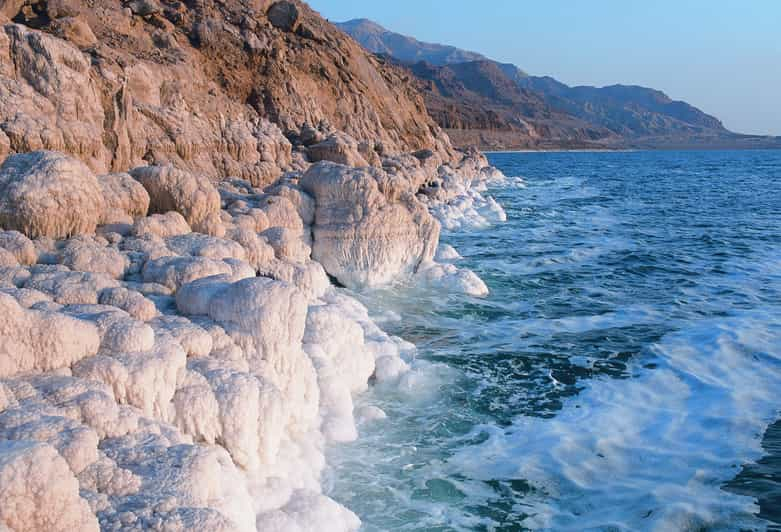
[(622, 375)]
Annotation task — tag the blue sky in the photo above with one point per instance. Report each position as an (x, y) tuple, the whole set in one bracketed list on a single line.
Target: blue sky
[(720, 55)]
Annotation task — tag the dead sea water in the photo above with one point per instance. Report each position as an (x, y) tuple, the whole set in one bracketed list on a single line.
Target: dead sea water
[(623, 374)]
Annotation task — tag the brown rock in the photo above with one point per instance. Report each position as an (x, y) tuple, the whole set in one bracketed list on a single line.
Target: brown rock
[(75, 30), (284, 16)]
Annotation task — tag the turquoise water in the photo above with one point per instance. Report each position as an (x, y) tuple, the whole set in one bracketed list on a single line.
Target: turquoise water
[(624, 373)]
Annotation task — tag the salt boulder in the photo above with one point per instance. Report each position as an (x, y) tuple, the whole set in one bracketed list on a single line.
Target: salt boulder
[(162, 225), (50, 194), (123, 195), (171, 189), (131, 301), (173, 272), (39, 491), (88, 255), (369, 228), (32, 340), (18, 245), (343, 149)]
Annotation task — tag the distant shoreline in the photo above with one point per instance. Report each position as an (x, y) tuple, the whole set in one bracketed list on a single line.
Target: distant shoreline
[(563, 150), (630, 150)]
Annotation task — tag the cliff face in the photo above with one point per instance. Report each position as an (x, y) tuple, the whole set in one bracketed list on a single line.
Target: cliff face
[(194, 83)]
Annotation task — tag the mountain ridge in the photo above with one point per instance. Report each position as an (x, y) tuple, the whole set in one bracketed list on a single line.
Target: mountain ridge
[(475, 96)]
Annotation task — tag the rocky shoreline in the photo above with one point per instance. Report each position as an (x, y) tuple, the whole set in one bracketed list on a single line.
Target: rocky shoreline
[(158, 377), (177, 346)]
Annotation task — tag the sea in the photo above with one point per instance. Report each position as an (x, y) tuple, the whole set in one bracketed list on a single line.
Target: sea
[(623, 374)]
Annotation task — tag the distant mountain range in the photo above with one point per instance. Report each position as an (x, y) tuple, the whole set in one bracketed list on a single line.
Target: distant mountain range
[(499, 106)]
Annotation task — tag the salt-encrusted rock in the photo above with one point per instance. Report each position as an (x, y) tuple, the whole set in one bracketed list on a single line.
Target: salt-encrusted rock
[(32, 340), (131, 301), (49, 194), (452, 278), (257, 249), (369, 228), (67, 287), (305, 511), (281, 212), (88, 255), (76, 443), (118, 331), (266, 319), (88, 402), (171, 189), (162, 225), (183, 486), (244, 412), (123, 195), (146, 380), (25, 296), (18, 245), (199, 245), (303, 202), (288, 244), (309, 277), (195, 341), (343, 149), (173, 272), (39, 491), (343, 362), (7, 259), (446, 252)]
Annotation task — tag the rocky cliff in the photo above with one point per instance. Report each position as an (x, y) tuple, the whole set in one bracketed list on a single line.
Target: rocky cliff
[(196, 83)]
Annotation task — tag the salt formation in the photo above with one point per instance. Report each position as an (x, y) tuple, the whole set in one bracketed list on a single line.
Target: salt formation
[(184, 369), (455, 197), (174, 353), (28, 188)]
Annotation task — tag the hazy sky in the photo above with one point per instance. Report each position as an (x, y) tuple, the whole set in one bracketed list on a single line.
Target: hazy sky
[(723, 56)]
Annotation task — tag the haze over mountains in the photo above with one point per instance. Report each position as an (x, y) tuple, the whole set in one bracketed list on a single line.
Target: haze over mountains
[(499, 106)]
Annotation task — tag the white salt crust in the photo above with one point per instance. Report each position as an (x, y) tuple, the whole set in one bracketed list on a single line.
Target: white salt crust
[(155, 378)]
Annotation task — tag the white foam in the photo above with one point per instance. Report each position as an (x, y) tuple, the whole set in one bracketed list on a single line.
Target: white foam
[(652, 451)]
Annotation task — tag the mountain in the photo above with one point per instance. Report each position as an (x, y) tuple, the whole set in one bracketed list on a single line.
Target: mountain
[(478, 103), (499, 106), (378, 40)]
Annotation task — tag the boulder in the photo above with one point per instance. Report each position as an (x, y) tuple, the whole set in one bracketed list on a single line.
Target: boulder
[(87, 255), (18, 245), (124, 195), (161, 225), (343, 149), (283, 15), (39, 491), (369, 229), (32, 340), (171, 189), (49, 194)]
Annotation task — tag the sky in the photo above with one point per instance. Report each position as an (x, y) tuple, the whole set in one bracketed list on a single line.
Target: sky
[(723, 56)]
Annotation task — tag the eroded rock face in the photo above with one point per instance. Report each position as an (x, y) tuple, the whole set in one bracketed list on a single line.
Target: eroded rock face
[(195, 86), (49, 194), (369, 228)]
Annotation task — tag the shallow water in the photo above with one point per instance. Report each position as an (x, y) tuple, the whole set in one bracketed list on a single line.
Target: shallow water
[(622, 374)]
